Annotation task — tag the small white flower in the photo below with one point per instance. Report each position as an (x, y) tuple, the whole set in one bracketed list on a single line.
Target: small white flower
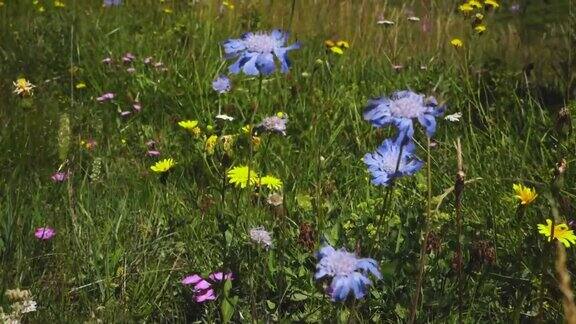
[(385, 22), (413, 18), (28, 306), (454, 117), (225, 117), (261, 236)]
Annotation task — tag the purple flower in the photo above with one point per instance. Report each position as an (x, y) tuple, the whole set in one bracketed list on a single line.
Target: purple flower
[(391, 161), (348, 272), (59, 176), (273, 124), (125, 113), (221, 276), (400, 108), (202, 288), (128, 58), (110, 3), (153, 153), (261, 236), (136, 106), (44, 233), (256, 52), (106, 97), (221, 84)]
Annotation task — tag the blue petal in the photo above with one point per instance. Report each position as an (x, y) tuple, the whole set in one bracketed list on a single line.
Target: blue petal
[(249, 67), (359, 285), (265, 63), (429, 123), (233, 47), (369, 265), (324, 251), (341, 287), (280, 35)]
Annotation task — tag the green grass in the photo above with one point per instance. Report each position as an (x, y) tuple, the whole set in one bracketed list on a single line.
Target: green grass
[(125, 239)]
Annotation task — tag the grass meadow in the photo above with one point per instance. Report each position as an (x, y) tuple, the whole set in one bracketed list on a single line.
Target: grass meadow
[(451, 242)]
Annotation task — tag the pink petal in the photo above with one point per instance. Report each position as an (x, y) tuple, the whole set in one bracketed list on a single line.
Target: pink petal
[(202, 284), (191, 279), (220, 276), (205, 296)]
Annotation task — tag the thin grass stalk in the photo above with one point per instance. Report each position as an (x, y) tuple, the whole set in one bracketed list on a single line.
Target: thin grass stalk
[(458, 190), (423, 255), (565, 285)]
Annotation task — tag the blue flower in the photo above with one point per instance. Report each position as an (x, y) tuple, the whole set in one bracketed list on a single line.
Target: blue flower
[(256, 51), (221, 84), (109, 3), (382, 163), (401, 108), (349, 273), (273, 124)]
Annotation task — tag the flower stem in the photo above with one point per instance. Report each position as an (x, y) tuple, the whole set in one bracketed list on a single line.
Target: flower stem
[(423, 255)]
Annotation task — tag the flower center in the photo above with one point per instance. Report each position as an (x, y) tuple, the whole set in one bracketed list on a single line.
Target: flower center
[(390, 160), (340, 263), (260, 43), (406, 108)]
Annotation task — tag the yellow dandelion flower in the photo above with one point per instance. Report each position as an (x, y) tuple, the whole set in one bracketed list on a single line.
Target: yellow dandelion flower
[(465, 8), (228, 4), (475, 4), (238, 176), (59, 4), (210, 144), (271, 182), (480, 29), (281, 114), (81, 85), (479, 16), (525, 194), (337, 47), (191, 126), (23, 87), (163, 165), (456, 42), (562, 232), (247, 129), (492, 3)]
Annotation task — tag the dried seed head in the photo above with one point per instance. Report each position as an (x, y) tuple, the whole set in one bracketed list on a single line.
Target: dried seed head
[(306, 238)]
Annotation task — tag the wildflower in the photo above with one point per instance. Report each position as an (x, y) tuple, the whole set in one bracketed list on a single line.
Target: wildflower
[(228, 144), (414, 18), (148, 60), (59, 4), (385, 22), (136, 106), (261, 236), (337, 47), (391, 161), (110, 3), (131, 70), (191, 126), (273, 124), (256, 141), (44, 233), (168, 11), (153, 153), (524, 194), (561, 232), (23, 87), (221, 84), (475, 4), (128, 58), (107, 61), (210, 144), (465, 8), (256, 52), (478, 18), (275, 199), (492, 4), (80, 85), (400, 108), (348, 272), (59, 176), (228, 4), (454, 117), (239, 176), (125, 113), (221, 276), (106, 97), (202, 289), (480, 29), (271, 182), (163, 166), (28, 306), (247, 129), (456, 42), (225, 117)]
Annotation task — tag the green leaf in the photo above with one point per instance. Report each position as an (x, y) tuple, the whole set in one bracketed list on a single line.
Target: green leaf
[(227, 308)]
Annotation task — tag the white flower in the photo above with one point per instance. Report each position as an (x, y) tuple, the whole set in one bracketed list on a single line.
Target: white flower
[(28, 306), (225, 117), (413, 18), (385, 22), (261, 236), (454, 117)]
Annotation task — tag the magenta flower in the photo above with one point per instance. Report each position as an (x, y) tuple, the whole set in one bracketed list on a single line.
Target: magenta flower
[(125, 113), (106, 97), (202, 288), (59, 176), (44, 233), (153, 153), (191, 279), (221, 276), (136, 106)]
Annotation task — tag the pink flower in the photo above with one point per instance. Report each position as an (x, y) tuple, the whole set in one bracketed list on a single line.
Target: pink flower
[(125, 113), (136, 106), (153, 153), (44, 233), (221, 276), (107, 61), (106, 97), (59, 176), (131, 70), (191, 279), (148, 60), (128, 58), (205, 295)]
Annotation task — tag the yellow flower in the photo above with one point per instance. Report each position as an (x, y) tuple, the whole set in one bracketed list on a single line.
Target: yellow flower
[(271, 182), (228, 144), (562, 232), (492, 3), (238, 176), (59, 4), (280, 114), (210, 144), (480, 29), (525, 194), (228, 4), (168, 10), (163, 165), (247, 129), (41, 9), (465, 8), (191, 126), (475, 4), (337, 47), (456, 42), (23, 87), (81, 85), (479, 16)]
